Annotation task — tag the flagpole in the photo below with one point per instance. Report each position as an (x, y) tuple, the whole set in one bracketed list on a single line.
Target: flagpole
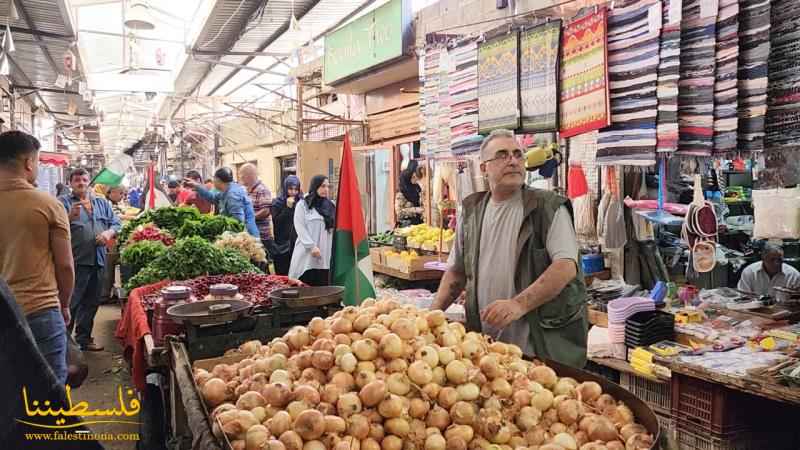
[(356, 273)]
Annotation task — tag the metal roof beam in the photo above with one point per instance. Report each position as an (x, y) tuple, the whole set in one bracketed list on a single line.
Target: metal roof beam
[(232, 53), (125, 36), (47, 34), (229, 43), (283, 61), (23, 13), (263, 47), (242, 67)]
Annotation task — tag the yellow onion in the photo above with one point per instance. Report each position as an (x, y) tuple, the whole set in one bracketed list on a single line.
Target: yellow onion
[(391, 407), (398, 384), (456, 372), (468, 392), (463, 413), (348, 404), (420, 373)]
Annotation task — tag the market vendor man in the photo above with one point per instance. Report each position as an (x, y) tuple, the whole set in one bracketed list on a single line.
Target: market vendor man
[(762, 277), (516, 254)]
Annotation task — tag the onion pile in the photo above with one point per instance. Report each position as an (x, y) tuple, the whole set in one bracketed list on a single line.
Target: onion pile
[(388, 377)]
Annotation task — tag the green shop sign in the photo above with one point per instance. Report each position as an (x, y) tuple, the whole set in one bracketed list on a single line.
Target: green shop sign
[(375, 38)]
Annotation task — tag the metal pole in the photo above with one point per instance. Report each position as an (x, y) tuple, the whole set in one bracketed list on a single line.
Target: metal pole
[(299, 113), (12, 107)]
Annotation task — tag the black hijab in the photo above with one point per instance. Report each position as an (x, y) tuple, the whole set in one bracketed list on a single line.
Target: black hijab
[(291, 181), (410, 190), (324, 206)]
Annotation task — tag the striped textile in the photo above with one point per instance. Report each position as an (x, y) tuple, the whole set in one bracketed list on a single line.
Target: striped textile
[(435, 102), (754, 51), (696, 85), (633, 60), (429, 105), (463, 82), (538, 73), (498, 83), (783, 112), (583, 94), (668, 76), (726, 101)]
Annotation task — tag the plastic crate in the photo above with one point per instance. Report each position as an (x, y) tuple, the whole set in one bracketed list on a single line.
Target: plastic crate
[(667, 425), (608, 373), (689, 437), (657, 396), (720, 410)]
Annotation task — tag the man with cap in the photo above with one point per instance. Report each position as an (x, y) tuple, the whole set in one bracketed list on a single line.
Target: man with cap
[(516, 254)]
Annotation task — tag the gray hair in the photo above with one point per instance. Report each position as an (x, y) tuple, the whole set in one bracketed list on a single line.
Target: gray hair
[(496, 134), (770, 248)]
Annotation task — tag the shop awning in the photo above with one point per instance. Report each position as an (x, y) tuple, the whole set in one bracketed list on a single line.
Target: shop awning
[(56, 159)]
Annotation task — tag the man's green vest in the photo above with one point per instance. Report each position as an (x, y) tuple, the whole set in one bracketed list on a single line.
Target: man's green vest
[(559, 328)]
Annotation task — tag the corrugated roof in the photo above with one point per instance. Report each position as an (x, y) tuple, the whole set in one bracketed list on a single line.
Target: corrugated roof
[(38, 61)]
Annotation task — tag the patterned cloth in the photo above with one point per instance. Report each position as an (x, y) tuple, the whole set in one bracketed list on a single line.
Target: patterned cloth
[(696, 86), (783, 113), (584, 79), (434, 104), (539, 48), (498, 83), (754, 50), (463, 92), (668, 76), (726, 90), (261, 198), (633, 56)]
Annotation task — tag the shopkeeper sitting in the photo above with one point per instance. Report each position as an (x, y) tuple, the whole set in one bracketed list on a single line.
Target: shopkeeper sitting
[(408, 200), (516, 255), (762, 277)]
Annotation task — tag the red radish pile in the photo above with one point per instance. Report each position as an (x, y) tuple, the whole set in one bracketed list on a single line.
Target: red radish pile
[(254, 287), (150, 232)]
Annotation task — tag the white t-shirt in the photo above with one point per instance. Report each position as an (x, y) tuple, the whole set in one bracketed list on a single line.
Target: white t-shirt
[(502, 222), (755, 279)]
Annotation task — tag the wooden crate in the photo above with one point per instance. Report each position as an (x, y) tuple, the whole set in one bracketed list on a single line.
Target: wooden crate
[(415, 265), (376, 254)]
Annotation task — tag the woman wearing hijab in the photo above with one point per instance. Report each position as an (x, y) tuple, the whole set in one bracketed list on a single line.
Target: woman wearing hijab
[(283, 208), (408, 201), (314, 219)]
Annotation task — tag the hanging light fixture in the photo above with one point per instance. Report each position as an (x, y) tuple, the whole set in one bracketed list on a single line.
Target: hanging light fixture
[(138, 17)]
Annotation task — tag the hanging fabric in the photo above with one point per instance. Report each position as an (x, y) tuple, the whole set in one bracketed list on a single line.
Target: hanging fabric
[(576, 182), (613, 222)]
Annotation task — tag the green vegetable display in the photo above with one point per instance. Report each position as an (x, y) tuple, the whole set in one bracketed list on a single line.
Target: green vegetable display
[(182, 222), (139, 254), (189, 258), (209, 227)]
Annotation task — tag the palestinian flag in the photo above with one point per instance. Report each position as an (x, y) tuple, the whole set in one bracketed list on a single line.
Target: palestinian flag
[(112, 174), (352, 265)]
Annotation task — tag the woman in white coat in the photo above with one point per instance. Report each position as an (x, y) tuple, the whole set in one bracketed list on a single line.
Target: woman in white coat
[(314, 220)]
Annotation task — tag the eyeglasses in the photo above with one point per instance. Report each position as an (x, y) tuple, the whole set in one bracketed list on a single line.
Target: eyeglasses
[(505, 155)]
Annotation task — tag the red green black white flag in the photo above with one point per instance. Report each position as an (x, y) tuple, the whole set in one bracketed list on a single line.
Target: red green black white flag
[(352, 266)]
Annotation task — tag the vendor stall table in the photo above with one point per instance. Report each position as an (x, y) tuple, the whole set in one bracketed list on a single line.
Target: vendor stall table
[(420, 275)]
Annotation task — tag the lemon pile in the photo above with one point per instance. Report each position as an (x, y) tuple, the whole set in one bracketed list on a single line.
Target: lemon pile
[(426, 237)]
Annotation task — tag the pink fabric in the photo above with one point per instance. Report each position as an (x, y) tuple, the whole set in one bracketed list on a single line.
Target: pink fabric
[(652, 205)]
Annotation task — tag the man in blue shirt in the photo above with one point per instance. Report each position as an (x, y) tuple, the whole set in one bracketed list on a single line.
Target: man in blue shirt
[(93, 225), (230, 199)]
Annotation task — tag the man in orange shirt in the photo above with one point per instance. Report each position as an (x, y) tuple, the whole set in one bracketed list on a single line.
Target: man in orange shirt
[(35, 249)]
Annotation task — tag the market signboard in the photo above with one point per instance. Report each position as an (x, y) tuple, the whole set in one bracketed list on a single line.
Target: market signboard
[(376, 38)]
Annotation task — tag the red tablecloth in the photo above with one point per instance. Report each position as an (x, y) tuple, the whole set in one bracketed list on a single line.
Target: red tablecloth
[(133, 326), (131, 330)]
